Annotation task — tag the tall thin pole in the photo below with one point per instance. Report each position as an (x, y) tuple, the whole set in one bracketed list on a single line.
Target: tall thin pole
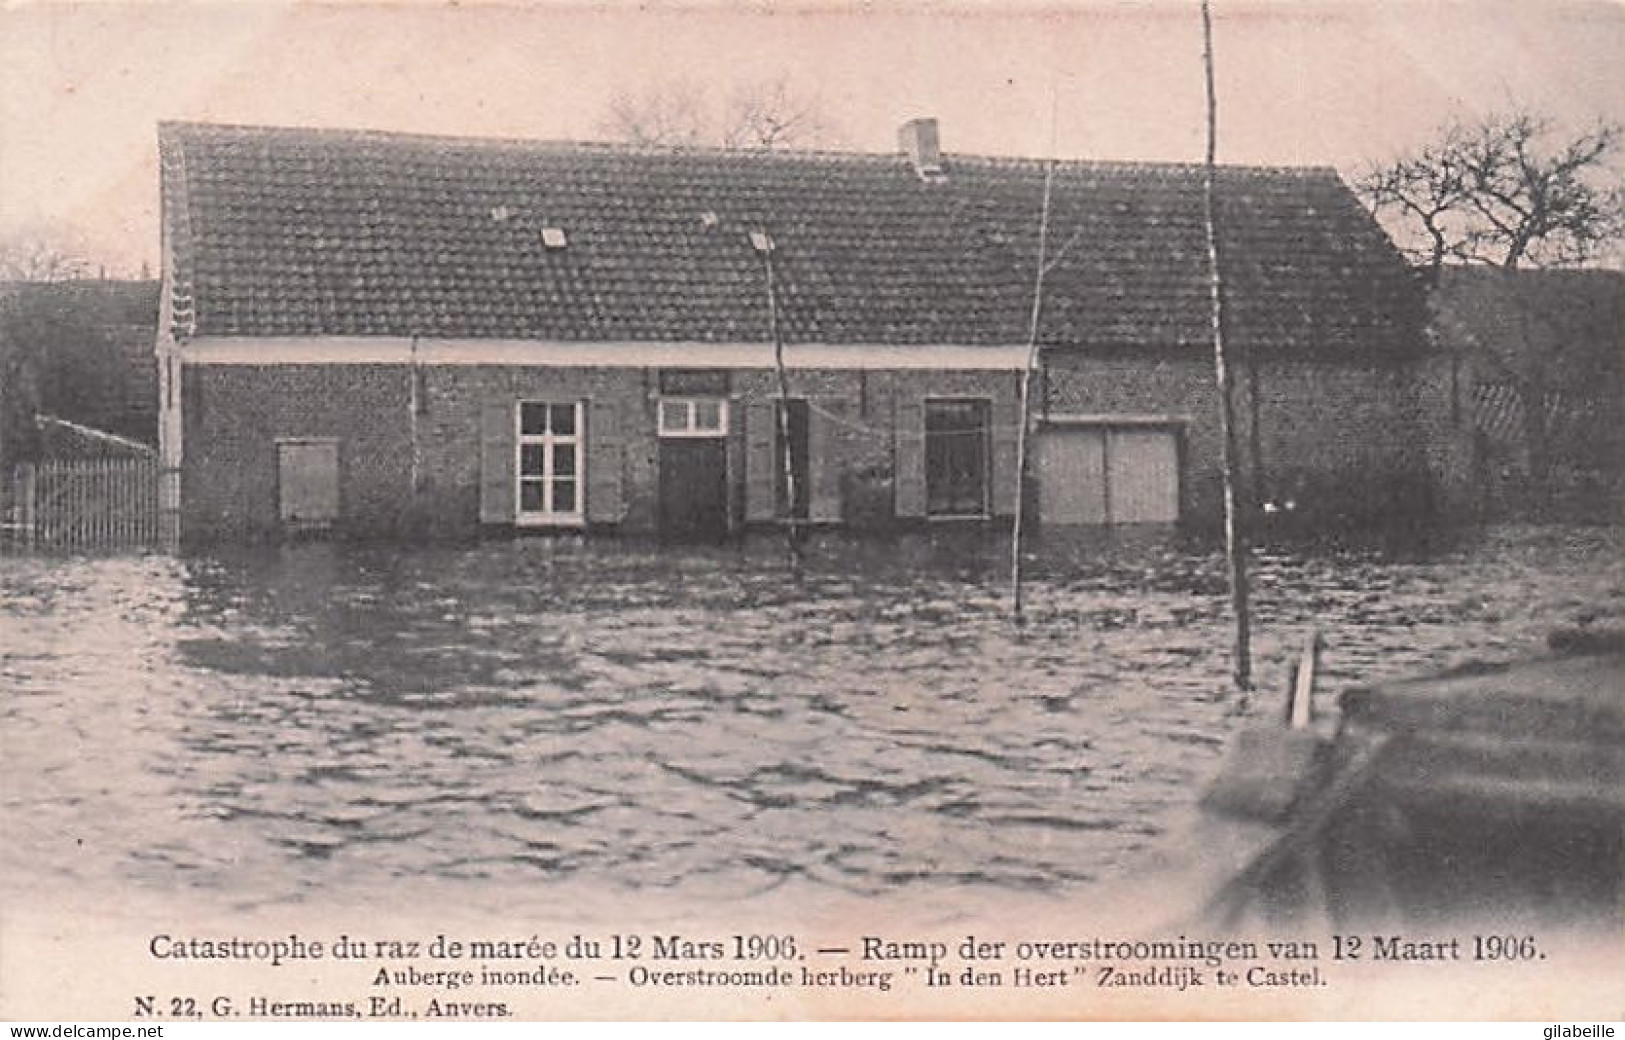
[(1235, 536), (766, 246), (414, 406), (1026, 392)]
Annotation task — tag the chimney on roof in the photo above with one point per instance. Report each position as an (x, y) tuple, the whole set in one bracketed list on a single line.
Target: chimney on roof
[(918, 140)]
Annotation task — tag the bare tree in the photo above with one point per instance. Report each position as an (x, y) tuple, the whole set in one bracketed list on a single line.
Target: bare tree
[(670, 115), (769, 115), (38, 255), (758, 116), (1510, 190)]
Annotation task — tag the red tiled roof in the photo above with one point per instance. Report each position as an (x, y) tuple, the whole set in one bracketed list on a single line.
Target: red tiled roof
[(305, 232)]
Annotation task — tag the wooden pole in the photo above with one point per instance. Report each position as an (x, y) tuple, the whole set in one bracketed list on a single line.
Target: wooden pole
[(1019, 521), (766, 246), (1300, 709), (1235, 535), (413, 407)]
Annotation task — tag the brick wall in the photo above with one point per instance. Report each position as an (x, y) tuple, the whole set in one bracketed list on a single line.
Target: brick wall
[(864, 413), (453, 397), (1345, 435), (234, 415), (1324, 428), (1442, 393)]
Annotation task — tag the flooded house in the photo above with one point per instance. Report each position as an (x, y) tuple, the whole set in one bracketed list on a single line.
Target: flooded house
[(382, 333)]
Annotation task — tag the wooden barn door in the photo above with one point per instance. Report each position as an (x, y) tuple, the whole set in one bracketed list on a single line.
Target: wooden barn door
[(1071, 468), (1143, 481), (1100, 475)]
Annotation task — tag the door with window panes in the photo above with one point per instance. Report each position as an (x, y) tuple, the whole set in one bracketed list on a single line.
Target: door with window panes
[(694, 468), (549, 473)]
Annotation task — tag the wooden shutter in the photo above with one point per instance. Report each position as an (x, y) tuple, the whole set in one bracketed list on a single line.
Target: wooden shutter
[(909, 456), (606, 500), (1004, 480), (824, 417), (761, 467), (497, 459), (308, 482)]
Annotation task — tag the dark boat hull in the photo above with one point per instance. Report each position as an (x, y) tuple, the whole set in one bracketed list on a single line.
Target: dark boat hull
[(1487, 794)]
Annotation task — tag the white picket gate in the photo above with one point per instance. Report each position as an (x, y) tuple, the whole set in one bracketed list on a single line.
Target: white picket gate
[(87, 505)]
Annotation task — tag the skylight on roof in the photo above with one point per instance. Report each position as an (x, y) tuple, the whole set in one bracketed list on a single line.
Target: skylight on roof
[(709, 220), (554, 237), (762, 242)]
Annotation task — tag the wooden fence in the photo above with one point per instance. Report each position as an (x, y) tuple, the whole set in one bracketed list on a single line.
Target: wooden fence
[(86, 505)]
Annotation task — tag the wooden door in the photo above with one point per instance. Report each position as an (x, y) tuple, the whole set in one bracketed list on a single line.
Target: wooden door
[(694, 488), (1143, 476), (1071, 470), (1099, 475)]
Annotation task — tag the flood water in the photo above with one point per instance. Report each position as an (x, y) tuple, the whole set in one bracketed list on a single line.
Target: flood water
[(316, 718)]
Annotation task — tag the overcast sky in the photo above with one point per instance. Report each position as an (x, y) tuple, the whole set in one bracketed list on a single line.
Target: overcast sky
[(1302, 82)]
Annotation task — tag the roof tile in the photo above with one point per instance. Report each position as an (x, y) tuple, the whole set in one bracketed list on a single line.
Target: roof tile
[(307, 232)]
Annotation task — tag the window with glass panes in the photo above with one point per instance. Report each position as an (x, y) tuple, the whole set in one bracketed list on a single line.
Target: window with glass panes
[(956, 457), (693, 417), (549, 462)]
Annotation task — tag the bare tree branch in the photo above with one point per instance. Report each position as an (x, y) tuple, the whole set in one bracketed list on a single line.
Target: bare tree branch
[(768, 116), (759, 116), (1508, 190), (38, 255), (670, 115)]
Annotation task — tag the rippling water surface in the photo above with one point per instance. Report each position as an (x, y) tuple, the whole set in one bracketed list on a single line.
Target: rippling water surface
[(698, 721)]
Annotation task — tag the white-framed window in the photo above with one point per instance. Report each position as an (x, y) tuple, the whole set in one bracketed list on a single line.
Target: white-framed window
[(693, 417), (549, 473)]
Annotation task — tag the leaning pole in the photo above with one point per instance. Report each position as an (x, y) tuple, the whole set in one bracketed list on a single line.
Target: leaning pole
[(1024, 430), (1235, 535)]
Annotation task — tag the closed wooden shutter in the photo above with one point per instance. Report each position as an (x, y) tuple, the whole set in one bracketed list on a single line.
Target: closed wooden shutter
[(1006, 435), (909, 456), (761, 468), (496, 464), (606, 500), (824, 457), (308, 482)]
